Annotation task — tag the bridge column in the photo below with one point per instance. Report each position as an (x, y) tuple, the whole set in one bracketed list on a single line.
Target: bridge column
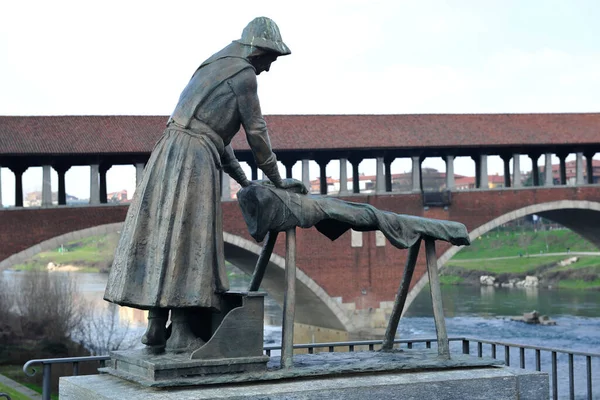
[(535, 171), (343, 177), (18, 171), (579, 169), (103, 168), (506, 159), (483, 172), (139, 171), (589, 167), (61, 170), (225, 186), (563, 168), (288, 164), (46, 186), (387, 162), (517, 170), (94, 186), (355, 176), (305, 174), (379, 176), (416, 174), (449, 172), (323, 175), (548, 178), (253, 170), (1, 187)]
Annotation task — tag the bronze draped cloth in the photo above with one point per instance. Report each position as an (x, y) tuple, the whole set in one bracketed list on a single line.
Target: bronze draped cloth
[(171, 245), (266, 208)]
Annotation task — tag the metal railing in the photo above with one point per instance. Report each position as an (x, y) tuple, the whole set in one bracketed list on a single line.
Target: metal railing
[(537, 357)]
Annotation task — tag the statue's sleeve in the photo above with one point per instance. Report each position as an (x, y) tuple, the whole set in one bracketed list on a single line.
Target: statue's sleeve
[(245, 88), (231, 166)]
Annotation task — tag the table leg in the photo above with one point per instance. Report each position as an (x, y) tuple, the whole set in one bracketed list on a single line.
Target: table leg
[(263, 261), (289, 300), (436, 299), (409, 268)]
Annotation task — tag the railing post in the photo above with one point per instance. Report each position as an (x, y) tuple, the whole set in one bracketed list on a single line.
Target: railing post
[(466, 347), (46, 381), (554, 377), (588, 371)]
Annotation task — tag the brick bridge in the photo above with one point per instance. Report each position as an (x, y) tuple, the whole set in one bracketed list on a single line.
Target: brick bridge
[(339, 286), (348, 284)]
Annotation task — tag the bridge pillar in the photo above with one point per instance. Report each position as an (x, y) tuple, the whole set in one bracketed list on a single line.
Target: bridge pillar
[(506, 159), (416, 174), (535, 171), (548, 178), (94, 184), (18, 171), (343, 177), (387, 162), (589, 167), (483, 172), (517, 170), (379, 176), (225, 186), (305, 174), (355, 161), (449, 172), (288, 164), (253, 170), (1, 187), (323, 175), (563, 168), (103, 192), (61, 170), (579, 169), (139, 172), (46, 186)]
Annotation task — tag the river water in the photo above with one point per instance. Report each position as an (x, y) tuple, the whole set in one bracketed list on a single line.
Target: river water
[(480, 312)]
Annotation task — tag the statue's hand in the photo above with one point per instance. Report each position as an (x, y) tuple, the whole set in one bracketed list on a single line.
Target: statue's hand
[(294, 185)]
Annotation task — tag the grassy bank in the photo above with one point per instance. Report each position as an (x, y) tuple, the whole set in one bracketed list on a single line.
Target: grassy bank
[(91, 254), (516, 254)]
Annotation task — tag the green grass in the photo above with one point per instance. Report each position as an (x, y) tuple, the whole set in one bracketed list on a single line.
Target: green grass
[(499, 243), (86, 253), (513, 265), (578, 284), (450, 280), (14, 395)]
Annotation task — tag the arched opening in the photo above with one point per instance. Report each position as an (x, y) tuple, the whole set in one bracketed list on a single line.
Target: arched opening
[(313, 305), (582, 217)]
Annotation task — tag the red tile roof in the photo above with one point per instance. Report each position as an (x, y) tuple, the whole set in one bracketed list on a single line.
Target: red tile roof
[(137, 134)]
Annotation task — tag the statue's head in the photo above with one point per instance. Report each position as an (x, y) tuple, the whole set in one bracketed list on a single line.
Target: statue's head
[(263, 33)]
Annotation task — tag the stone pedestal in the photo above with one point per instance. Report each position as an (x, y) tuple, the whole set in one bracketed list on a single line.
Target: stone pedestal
[(498, 383)]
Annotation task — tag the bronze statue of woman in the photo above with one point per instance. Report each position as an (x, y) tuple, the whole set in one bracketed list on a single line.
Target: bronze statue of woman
[(170, 255)]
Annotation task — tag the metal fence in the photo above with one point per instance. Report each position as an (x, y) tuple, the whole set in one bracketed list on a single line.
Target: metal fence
[(579, 366)]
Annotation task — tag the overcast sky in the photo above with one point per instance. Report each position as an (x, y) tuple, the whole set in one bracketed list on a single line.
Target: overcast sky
[(348, 57)]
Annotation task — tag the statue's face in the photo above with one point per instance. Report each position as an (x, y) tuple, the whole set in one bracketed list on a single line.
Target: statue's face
[(263, 63)]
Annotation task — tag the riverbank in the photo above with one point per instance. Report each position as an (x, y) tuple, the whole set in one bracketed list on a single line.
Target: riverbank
[(566, 271)]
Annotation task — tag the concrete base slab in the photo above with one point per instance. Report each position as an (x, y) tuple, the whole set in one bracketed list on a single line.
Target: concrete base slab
[(499, 383), (172, 370)]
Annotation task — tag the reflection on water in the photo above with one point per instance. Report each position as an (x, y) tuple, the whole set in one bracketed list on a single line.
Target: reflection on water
[(491, 301)]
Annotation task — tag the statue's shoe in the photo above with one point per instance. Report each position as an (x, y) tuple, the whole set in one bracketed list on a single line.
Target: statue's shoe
[(155, 335)]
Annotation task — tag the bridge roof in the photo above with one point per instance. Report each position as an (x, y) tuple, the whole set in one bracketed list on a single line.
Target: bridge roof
[(63, 135)]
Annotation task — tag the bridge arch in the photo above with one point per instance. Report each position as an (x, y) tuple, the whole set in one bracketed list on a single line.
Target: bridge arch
[(580, 216), (313, 305)]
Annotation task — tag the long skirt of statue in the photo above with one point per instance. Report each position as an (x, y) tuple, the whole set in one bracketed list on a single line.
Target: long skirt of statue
[(170, 254)]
